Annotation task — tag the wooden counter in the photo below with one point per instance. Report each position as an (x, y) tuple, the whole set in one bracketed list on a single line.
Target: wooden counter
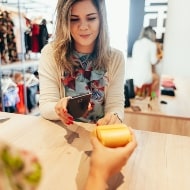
[(161, 161), (173, 117)]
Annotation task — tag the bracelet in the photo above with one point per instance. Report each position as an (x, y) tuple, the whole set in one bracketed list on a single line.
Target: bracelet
[(116, 114)]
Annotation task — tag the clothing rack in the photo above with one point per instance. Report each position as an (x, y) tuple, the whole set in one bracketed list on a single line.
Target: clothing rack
[(18, 66), (13, 95), (28, 90)]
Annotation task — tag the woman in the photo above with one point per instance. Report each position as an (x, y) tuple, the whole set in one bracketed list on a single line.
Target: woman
[(80, 60), (144, 56)]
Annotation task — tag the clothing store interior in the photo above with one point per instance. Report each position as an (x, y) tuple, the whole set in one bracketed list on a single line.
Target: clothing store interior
[(58, 153), (29, 25), (20, 50), (20, 53)]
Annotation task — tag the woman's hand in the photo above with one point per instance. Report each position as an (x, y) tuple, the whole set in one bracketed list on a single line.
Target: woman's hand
[(110, 159), (62, 112), (109, 118)]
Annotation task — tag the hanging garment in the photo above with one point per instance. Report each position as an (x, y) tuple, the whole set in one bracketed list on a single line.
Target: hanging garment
[(10, 99), (28, 41), (35, 38), (8, 25), (43, 36), (20, 106), (31, 97)]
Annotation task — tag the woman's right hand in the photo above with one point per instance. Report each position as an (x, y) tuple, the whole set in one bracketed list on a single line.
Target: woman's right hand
[(62, 112), (111, 159)]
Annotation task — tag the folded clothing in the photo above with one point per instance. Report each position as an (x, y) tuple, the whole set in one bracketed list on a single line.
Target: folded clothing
[(168, 86), (168, 83), (168, 91)]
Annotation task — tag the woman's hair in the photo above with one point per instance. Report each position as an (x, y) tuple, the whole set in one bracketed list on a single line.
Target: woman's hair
[(149, 33), (63, 42)]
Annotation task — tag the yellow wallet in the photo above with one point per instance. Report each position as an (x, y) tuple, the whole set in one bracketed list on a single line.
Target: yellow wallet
[(113, 136)]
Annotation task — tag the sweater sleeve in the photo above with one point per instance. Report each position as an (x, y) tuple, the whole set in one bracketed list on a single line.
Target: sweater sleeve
[(115, 90), (49, 84)]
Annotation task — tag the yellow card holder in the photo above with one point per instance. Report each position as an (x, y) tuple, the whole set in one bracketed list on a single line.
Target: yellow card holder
[(113, 136)]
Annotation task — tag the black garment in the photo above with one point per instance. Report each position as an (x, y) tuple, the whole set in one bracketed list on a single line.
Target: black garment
[(31, 97), (129, 88), (28, 41), (129, 91), (43, 36), (10, 109), (2, 43)]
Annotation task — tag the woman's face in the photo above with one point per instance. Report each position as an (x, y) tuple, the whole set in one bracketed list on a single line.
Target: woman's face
[(84, 26)]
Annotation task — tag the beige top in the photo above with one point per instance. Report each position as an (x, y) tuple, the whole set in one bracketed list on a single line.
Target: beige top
[(52, 90)]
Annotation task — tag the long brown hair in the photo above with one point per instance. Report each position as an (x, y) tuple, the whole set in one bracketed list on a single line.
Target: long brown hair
[(63, 46)]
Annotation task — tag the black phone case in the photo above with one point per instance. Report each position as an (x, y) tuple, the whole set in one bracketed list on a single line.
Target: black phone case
[(78, 105)]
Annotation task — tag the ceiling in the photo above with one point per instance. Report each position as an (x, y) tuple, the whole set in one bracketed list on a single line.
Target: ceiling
[(31, 7)]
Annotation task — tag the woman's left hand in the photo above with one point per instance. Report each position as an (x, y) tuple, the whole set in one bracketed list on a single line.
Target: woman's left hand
[(62, 112), (108, 119)]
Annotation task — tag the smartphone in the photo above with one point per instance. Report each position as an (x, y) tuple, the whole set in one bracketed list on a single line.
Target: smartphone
[(78, 105)]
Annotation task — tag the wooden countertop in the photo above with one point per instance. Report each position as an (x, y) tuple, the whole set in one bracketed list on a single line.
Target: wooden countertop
[(161, 161)]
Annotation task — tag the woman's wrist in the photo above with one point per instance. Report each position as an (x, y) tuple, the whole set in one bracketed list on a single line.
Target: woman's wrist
[(116, 114), (98, 173), (97, 179)]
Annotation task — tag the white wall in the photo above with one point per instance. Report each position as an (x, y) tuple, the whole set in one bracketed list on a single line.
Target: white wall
[(176, 61), (118, 17)]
